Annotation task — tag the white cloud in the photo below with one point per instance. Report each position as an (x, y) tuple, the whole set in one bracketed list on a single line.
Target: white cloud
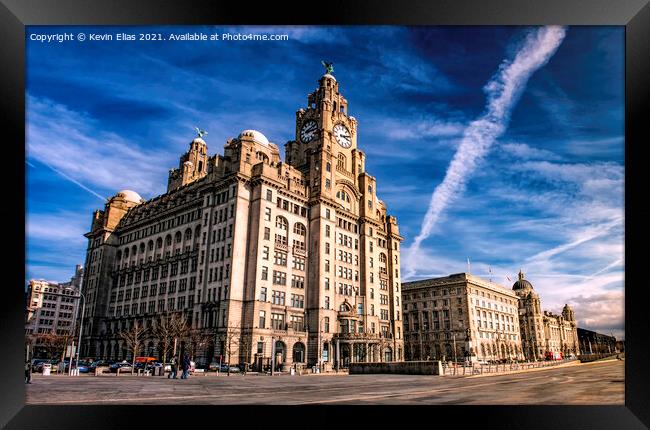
[(503, 91), (69, 142), (526, 152), (68, 227)]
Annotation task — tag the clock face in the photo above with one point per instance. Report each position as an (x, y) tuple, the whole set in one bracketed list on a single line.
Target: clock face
[(308, 131), (342, 135)]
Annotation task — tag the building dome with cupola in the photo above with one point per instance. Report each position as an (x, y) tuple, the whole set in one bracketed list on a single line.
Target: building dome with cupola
[(521, 283)]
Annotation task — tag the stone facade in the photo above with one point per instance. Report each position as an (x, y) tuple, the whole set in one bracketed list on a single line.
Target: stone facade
[(298, 260), (544, 333), (484, 320), (460, 317), (52, 307)]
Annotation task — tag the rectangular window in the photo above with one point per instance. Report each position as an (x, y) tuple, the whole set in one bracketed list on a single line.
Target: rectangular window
[(298, 322), (279, 278), (262, 319), (269, 195), (265, 273), (277, 321), (267, 214), (327, 302), (265, 253), (267, 233), (278, 297), (297, 301), (280, 258), (298, 263), (263, 294), (297, 281)]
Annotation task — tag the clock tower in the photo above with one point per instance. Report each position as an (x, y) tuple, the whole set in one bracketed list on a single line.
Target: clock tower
[(352, 270), (325, 147)]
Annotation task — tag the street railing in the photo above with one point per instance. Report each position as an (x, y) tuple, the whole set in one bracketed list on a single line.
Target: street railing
[(479, 369)]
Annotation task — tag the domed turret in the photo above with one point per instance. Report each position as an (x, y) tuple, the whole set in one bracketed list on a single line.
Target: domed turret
[(521, 283), (130, 196), (255, 135)]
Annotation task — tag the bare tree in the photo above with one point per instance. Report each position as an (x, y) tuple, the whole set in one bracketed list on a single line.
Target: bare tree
[(169, 328), (197, 340), (245, 345), (230, 339), (134, 338), (54, 343)]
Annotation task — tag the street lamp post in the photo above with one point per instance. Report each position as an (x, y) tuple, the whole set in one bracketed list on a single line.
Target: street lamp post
[(81, 324), (453, 335), (320, 354)]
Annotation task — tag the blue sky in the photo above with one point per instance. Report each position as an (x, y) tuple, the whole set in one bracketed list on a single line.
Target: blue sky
[(546, 196)]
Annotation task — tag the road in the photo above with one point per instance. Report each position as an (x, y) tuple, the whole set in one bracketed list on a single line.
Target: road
[(599, 383)]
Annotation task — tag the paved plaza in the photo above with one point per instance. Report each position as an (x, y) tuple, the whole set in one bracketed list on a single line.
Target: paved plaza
[(598, 383)]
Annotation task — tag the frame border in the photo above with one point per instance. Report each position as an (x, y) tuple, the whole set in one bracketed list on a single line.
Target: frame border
[(633, 14)]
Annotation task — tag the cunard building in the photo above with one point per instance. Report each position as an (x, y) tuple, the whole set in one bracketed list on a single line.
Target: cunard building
[(298, 259)]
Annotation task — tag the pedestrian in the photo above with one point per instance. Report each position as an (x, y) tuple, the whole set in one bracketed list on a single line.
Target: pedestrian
[(172, 374), (28, 373), (186, 366)]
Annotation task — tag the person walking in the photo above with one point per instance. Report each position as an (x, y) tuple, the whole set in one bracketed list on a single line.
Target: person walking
[(28, 372), (172, 374), (186, 367)]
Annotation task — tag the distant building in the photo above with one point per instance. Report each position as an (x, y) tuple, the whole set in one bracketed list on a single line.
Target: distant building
[(544, 333), (592, 342), (476, 318), (52, 307), (463, 315)]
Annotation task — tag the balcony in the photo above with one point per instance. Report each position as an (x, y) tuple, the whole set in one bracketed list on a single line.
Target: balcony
[(281, 246), (299, 251)]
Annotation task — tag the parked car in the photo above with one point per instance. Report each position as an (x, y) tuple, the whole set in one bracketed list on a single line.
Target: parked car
[(123, 366), (214, 366), (234, 369), (38, 366)]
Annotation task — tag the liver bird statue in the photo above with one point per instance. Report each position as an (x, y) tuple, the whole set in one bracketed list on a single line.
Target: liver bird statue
[(329, 67)]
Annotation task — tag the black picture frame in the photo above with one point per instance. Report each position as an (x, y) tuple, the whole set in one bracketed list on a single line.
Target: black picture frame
[(633, 14)]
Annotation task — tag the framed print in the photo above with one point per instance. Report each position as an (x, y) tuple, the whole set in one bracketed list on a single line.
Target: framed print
[(259, 211)]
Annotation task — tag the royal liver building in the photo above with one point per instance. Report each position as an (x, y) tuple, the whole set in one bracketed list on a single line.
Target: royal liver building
[(296, 260)]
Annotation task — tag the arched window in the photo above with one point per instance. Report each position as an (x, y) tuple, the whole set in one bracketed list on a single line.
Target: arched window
[(299, 352), (134, 250), (178, 237), (126, 253), (168, 240), (299, 229), (188, 234), (281, 223), (159, 243), (369, 189), (328, 167), (340, 163), (382, 258), (141, 248), (342, 195), (150, 245)]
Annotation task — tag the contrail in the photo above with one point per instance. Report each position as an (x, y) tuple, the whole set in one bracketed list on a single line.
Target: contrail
[(503, 91), (74, 181)]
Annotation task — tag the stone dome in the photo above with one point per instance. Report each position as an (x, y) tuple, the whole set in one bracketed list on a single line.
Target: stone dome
[(255, 135), (327, 75), (521, 283), (198, 140), (130, 196)]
